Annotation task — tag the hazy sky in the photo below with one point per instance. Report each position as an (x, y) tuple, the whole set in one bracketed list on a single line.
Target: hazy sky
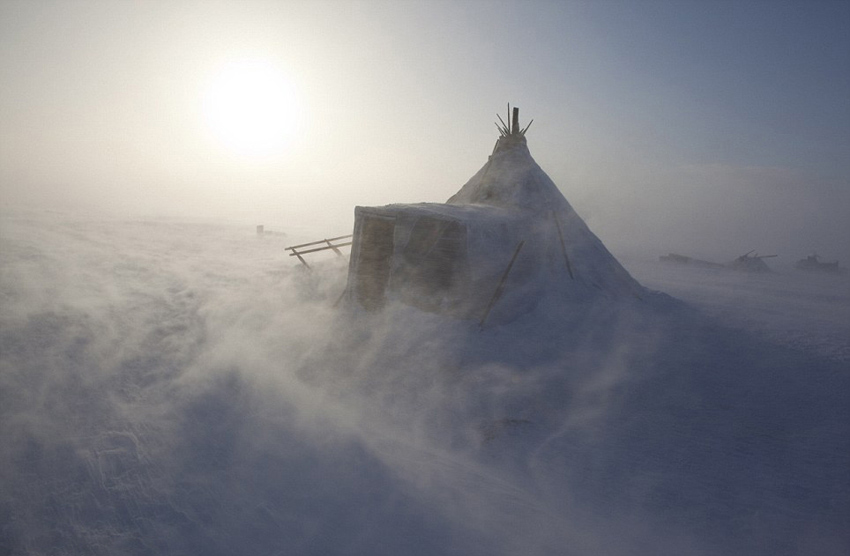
[(710, 127)]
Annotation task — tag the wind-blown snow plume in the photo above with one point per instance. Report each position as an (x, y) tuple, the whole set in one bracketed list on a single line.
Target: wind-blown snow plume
[(171, 388)]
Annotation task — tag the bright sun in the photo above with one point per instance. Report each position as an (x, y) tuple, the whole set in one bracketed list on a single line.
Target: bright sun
[(252, 109)]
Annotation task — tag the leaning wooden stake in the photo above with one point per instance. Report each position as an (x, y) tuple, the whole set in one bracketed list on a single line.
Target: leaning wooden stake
[(563, 247), (500, 288), (300, 258), (338, 299), (332, 246), (504, 129)]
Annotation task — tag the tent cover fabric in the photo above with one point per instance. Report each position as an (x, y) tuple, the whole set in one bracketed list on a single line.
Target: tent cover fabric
[(505, 242)]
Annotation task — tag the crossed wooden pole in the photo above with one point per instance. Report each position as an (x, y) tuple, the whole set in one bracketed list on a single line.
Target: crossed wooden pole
[(297, 250)]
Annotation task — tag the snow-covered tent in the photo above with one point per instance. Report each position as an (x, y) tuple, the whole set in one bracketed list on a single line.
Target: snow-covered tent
[(503, 243)]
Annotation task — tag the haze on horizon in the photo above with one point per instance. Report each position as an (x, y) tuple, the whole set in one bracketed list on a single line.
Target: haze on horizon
[(708, 128)]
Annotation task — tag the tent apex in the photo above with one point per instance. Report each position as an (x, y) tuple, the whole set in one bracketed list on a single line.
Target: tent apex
[(511, 129)]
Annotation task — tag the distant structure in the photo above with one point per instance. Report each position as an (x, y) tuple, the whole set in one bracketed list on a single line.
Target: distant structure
[(748, 262), (751, 262), (812, 263), (507, 240), (683, 259)]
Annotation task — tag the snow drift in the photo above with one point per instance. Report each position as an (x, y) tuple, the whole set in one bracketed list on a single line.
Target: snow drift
[(179, 389)]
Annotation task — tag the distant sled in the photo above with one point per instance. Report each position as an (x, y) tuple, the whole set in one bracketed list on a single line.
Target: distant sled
[(812, 263), (751, 262), (682, 259), (748, 262)]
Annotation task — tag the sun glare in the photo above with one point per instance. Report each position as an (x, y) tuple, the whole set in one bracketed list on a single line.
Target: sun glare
[(252, 109)]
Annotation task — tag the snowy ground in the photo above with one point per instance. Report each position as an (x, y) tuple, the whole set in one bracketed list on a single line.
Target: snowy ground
[(171, 388), (807, 310)]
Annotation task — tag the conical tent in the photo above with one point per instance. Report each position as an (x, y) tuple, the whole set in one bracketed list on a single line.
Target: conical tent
[(507, 240)]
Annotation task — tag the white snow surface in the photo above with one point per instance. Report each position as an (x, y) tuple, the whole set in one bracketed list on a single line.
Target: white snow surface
[(170, 388), (804, 310)]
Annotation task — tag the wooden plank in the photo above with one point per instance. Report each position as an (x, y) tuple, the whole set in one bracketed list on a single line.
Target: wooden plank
[(298, 253), (317, 242)]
